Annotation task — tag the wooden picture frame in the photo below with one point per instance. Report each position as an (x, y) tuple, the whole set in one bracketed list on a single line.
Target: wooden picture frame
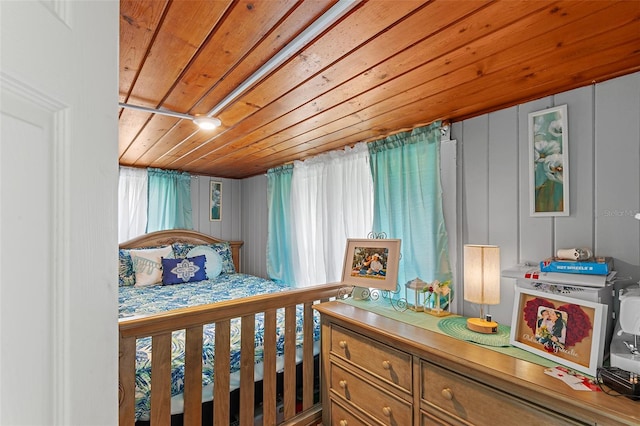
[(215, 201), (372, 263), (577, 342), (549, 162)]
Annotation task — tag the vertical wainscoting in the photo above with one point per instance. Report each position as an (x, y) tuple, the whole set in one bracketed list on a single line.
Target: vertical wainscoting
[(244, 217), (230, 227), (604, 182), (254, 217)]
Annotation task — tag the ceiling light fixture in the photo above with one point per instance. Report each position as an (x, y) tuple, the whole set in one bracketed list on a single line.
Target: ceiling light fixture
[(208, 121)]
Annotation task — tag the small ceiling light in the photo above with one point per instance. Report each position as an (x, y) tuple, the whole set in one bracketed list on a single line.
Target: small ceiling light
[(207, 123)]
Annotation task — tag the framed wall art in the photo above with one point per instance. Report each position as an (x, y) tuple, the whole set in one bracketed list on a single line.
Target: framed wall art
[(372, 263), (549, 162), (565, 330), (215, 201)]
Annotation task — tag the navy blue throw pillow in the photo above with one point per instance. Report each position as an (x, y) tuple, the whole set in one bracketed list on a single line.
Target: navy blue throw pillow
[(178, 271)]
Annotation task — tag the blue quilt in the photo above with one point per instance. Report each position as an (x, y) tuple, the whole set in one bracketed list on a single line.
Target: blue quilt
[(136, 301)]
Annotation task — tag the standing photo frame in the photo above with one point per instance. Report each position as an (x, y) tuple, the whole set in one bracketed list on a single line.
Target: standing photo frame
[(549, 162), (565, 330), (215, 201), (372, 263)]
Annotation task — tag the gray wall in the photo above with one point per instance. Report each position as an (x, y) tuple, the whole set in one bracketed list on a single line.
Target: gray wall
[(229, 228), (244, 217), (492, 191), (604, 177)]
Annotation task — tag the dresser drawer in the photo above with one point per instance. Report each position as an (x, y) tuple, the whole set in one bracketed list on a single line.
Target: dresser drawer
[(380, 360), (340, 416), (461, 400), (371, 399)]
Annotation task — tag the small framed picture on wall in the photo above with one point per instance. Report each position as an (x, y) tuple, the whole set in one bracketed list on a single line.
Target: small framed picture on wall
[(215, 201)]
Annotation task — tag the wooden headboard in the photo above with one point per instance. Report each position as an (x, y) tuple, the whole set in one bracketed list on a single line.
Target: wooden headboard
[(187, 236)]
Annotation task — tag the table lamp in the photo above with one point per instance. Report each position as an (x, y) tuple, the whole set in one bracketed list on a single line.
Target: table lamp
[(482, 283)]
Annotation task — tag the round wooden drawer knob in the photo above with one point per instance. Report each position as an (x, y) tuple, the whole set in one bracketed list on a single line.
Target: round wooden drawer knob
[(386, 411), (447, 394), (386, 365), (343, 384), (343, 423), (343, 344)]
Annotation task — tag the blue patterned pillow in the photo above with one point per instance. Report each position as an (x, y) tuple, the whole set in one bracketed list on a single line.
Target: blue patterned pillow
[(126, 274), (223, 249), (178, 271)]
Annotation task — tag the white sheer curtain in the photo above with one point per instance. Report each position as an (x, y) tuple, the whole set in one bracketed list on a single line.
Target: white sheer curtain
[(132, 203), (332, 200)]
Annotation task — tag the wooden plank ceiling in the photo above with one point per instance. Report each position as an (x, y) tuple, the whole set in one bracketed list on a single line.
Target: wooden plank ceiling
[(384, 67)]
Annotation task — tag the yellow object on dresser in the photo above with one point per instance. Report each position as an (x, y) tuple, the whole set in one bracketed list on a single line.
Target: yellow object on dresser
[(377, 370)]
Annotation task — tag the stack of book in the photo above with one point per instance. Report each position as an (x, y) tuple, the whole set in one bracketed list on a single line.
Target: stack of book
[(595, 272), (594, 266)]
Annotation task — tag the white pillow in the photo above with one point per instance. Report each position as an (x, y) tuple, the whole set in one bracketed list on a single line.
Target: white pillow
[(147, 264), (213, 266)]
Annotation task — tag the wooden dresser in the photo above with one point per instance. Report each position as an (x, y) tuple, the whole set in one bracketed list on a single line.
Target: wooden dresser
[(376, 370)]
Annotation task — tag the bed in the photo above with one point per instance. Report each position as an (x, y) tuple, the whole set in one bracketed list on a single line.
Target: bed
[(257, 338)]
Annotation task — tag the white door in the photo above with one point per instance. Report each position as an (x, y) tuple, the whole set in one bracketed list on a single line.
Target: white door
[(58, 223)]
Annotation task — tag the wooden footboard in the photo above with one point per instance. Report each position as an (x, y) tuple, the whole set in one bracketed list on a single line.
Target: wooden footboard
[(160, 327)]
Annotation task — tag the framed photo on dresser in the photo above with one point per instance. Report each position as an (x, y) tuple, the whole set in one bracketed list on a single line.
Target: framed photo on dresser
[(565, 330), (372, 263)]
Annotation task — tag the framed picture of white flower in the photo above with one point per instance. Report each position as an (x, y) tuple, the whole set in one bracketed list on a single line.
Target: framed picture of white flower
[(549, 162)]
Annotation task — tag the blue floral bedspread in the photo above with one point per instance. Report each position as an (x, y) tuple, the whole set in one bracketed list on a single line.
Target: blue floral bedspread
[(135, 301)]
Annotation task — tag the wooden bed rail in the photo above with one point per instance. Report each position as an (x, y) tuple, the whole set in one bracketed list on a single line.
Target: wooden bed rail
[(160, 327)]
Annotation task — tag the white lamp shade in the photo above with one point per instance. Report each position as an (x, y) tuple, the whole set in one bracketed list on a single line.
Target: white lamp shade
[(482, 274)]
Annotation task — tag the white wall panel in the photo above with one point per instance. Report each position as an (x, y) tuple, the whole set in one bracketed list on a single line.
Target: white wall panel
[(577, 229), (475, 164), (254, 217), (604, 184), (502, 218), (229, 228), (617, 172)]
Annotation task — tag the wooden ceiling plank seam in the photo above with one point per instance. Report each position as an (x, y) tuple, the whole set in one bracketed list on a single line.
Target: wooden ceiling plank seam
[(129, 142), (356, 48), (149, 136), (234, 146), (156, 32), (325, 51), (265, 41), (209, 141), (186, 38), (143, 124), (236, 152), (323, 109), (124, 30), (446, 97), (586, 61), (209, 38), (228, 32), (361, 108)]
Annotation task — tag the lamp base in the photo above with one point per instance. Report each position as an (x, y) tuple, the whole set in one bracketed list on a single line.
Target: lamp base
[(480, 325)]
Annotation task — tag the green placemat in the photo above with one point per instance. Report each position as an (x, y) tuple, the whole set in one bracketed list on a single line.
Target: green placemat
[(384, 307), (457, 327)]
